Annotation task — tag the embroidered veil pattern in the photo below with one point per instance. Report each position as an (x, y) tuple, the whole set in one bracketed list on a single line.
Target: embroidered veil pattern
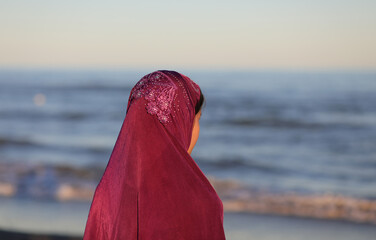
[(159, 92)]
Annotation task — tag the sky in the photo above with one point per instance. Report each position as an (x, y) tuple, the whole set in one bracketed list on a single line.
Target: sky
[(236, 34)]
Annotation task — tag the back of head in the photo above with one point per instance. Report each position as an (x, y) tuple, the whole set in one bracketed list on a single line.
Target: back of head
[(170, 98), (152, 188)]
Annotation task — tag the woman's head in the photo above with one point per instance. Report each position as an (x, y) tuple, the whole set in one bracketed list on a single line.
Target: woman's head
[(172, 102)]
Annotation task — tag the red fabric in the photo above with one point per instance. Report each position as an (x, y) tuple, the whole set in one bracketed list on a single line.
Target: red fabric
[(152, 188)]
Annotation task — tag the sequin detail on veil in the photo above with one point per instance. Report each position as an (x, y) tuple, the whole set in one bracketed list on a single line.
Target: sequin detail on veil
[(159, 92)]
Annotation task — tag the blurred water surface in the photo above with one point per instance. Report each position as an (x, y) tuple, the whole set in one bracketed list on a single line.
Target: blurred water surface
[(300, 133)]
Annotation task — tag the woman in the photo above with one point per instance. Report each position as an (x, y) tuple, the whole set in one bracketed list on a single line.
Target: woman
[(152, 188)]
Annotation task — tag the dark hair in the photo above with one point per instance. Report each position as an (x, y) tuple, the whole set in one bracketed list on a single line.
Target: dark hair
[(200, 103)]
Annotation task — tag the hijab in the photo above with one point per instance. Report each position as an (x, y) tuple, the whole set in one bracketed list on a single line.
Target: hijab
[(152, 188)]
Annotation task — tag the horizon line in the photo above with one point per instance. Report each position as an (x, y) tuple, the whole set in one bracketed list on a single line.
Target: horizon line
[(199, 69)]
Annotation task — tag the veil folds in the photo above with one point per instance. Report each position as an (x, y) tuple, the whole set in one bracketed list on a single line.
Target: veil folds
[(152, 188)]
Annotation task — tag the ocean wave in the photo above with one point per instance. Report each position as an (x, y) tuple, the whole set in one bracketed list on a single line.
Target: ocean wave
[(237, 197), (34, 115), (91, 86), (290, 123), (15, 141), (87, 144), (70, 86), (69, 183), (241, 163), (74, 192), (48, 182)]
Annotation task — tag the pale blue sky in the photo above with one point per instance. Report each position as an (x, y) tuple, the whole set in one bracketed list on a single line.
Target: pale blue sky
[(268, 34)]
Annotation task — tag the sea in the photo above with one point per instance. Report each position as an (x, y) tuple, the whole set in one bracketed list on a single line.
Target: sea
[(300, 143)]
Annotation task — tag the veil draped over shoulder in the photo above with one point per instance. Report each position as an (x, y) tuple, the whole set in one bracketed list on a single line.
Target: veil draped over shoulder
[(152, 188)]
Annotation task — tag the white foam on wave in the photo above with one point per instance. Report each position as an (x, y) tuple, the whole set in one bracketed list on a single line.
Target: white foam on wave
[(240, 198), (69, 192), (7, 189)]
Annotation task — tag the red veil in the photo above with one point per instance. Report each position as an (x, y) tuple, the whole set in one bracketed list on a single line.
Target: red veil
[(152, 188)]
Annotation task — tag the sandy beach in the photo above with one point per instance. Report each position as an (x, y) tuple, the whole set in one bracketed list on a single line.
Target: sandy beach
[(9, 235), (246, 226)]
